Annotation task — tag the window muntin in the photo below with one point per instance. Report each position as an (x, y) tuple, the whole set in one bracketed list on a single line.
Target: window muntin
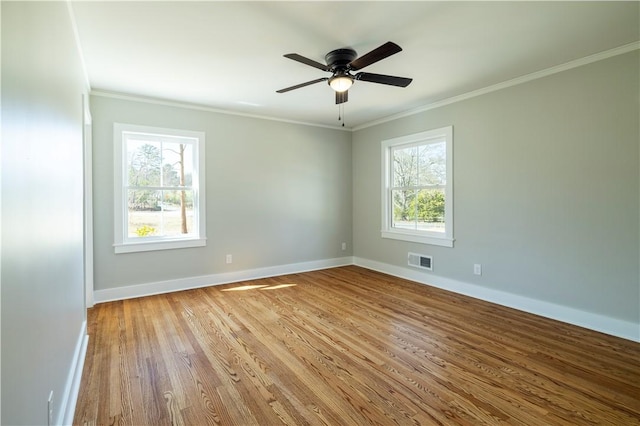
[(417, 188), (159, 188)]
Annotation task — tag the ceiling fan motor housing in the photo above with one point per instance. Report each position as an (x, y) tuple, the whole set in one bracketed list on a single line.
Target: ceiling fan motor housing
[(340, 58)]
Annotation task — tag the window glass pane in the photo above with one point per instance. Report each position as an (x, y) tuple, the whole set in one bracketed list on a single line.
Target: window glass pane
[(143, 163), (405, 167), (177, 221), (432, 164), (430, 210), (404, 212), (160, 213), (177, 164), (144, 213), (143, 200)]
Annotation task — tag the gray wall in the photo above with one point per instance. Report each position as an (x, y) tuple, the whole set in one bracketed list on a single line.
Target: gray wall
[(42, 193), (546, 182), (277, 194), (546, 178)]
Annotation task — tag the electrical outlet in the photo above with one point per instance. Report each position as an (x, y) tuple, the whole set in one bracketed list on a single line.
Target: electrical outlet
[(50, 409), (344, 246), (229, 258), (477, 269)]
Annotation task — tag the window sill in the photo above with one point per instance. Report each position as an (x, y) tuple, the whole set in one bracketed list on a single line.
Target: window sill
[(414, 238), (159, 245)]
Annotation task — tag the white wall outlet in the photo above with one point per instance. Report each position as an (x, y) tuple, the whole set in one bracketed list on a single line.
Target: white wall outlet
[(50, 409), (229, 258), (477, 269), (344, 246)]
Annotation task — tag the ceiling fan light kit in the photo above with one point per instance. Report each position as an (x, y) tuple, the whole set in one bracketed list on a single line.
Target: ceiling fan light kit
[(341, 62), (341, 83)]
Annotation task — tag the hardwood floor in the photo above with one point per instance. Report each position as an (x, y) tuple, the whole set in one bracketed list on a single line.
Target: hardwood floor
[(347, 346)]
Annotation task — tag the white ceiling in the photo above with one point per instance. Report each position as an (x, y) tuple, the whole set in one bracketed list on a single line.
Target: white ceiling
[(228, 55)]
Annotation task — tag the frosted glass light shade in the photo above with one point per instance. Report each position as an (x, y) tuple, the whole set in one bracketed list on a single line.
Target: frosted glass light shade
[(341, 83)]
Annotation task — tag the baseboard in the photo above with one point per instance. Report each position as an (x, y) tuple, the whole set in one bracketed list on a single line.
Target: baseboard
[(615, 327), (72, 387), (612, 326), (160, 287)]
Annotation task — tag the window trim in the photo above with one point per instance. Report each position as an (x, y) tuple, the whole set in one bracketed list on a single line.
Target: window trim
[(121, 243), (417, 236)]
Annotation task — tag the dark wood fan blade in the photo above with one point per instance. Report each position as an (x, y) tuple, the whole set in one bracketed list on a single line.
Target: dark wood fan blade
[(297, 86), (384, 51), (307, 61), (383, 79), (342, 97)]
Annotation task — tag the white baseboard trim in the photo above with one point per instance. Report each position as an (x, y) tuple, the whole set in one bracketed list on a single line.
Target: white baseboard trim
[(72, 387), (615, 327), (160, 287)]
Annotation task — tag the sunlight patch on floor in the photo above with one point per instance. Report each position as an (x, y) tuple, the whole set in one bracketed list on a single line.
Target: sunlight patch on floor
[(276, 287), (244, 287), (259, 287)]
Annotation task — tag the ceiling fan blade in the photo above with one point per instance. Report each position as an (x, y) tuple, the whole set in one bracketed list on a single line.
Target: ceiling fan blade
[(377, 54), (342, 97), (307, 61), (297, 86), (383, 79)]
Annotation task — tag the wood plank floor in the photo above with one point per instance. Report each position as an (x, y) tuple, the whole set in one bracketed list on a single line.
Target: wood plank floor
[(347, 346)]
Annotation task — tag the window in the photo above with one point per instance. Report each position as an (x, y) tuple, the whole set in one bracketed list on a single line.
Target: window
[(417, 187), (159, 188)]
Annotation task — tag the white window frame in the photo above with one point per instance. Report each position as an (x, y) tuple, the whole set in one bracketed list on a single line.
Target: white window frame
[(124, 244), (418, 236)]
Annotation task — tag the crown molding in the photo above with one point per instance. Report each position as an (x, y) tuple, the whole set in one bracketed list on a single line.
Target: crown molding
[(178, 104), (509, 83)]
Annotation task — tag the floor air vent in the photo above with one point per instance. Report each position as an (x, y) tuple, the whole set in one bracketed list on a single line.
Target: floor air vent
[(421, 261)]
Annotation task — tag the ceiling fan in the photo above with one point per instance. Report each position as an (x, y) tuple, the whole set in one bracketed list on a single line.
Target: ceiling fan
[(341, 62)]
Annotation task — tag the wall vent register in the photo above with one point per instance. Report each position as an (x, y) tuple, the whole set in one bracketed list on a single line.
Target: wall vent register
[(421, 261)]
